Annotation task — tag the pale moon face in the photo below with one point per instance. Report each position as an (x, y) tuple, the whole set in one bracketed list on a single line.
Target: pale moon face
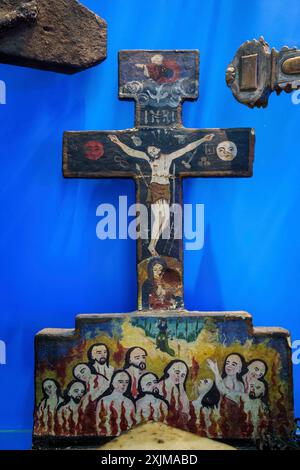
[(227, 151)]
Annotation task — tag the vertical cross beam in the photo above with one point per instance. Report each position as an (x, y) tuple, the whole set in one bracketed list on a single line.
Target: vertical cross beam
[(158, 152)]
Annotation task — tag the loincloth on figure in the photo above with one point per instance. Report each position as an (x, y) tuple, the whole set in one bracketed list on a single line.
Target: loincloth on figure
[(158, 191)]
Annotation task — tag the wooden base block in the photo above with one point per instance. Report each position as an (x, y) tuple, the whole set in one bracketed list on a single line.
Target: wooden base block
[(211, 374)]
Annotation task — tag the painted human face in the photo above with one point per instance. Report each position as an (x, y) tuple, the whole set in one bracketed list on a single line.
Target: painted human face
[(205, 385), (157, 271), (257, 370), (149, 383), (99, 354), (82, 372), (154, 152), (177, 373), (76, 392), (157, 59), (138, 358), (50, 388), (227, 151), (121, 382), (93, 150), (257, 389), (233, 365)]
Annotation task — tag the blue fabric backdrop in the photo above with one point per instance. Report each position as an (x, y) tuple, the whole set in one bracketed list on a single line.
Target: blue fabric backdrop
[(52, 264)]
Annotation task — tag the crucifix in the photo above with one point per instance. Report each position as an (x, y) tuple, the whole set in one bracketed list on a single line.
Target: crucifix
[(210, 373), (158, 152)]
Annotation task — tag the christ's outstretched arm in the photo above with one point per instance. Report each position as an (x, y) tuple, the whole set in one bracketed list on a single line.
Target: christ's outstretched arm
[(129, 151), (190, 147)]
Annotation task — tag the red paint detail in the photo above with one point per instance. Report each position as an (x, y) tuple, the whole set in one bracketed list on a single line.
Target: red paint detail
[(262, 427), (274, 374), (102, 420), (134, 390), (113, 420), (182, 417), (71, 424), (57, 426), (162, 413), (192, 424), (164, 391), (64, 425), (281, 422), (173, 414), (202, 424), (89, 424), (80, 425), (167, 72), (38, 423), (213, 427), (194, 369), (246, 428), (61, 368), (50, 422), (119, 355), (123, 420), (133, 419), (96, 383), (151, 415)]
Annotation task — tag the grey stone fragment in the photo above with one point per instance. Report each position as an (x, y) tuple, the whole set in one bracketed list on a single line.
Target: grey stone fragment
[(59, 35)]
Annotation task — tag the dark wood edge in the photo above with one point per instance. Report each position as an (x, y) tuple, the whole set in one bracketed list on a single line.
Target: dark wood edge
[(71, 334), (102, 317), (53, 442)]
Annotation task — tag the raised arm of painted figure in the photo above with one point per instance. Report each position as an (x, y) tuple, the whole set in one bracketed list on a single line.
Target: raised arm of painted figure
[(190, 147), (129, 151), (218, 379)]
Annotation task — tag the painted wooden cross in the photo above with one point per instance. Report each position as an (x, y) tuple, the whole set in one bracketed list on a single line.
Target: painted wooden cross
[(119, 370), (157, 153)]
